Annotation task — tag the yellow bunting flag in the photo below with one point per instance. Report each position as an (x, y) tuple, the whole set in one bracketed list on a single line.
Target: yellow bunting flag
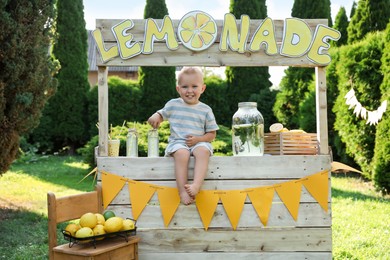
[(140, 194), (206, 202), (261, 199), (169, 201), (111, 185), (233, 202), (318, 186), (290, 193), (341, 166)]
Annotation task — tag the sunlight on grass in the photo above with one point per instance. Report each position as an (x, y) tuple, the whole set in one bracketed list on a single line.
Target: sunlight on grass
[(26, 185), (29, 192), (78, 165)]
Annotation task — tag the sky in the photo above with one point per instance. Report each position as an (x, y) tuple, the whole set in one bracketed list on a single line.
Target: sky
[(134, 9)]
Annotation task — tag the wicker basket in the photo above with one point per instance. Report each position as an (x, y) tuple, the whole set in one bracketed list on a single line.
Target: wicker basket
[(290, 143)]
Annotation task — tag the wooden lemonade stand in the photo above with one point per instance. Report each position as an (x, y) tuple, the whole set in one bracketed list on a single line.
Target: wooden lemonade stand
[(309, 236)]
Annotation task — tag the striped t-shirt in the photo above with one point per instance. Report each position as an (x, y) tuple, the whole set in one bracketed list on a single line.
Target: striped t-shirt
[(185, 119)]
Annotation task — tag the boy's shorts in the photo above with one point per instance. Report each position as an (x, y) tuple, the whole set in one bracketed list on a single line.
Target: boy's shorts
[(173, 147)]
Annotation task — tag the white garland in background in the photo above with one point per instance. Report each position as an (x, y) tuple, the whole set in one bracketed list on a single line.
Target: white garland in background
[(372, 117)]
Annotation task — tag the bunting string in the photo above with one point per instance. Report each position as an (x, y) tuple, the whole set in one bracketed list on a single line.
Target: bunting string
[(372, 117), (233, 201)]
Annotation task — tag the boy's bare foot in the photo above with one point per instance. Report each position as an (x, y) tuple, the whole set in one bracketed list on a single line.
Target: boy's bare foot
[(192, 189), (185, 198)]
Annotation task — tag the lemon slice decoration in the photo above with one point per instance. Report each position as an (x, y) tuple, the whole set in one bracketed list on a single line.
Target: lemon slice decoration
[(197, 30)]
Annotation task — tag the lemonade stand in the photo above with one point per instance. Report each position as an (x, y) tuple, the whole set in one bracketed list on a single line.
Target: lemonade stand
[(250, 207)]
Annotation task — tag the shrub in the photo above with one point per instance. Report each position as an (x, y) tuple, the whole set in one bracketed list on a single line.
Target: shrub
[(222, 144), (124, 96)]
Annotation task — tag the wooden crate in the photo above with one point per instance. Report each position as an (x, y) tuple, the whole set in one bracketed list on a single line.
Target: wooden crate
[(290, 143)]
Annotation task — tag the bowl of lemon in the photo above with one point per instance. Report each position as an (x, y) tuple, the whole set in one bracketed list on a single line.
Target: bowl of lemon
[(93, 227)]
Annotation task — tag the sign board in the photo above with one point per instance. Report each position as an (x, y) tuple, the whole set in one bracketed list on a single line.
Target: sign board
[(198, 39)]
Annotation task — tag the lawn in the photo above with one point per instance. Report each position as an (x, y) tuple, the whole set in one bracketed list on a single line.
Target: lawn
[(361, 225)]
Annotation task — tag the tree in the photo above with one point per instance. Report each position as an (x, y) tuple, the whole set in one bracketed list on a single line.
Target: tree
[(381, 161), (295, 84), (353, 9), (157, 83), (341, 24), (66, 122), (214, 96), (294, 87), (359, 68), (26, 78), (370, 15), (249, 83), (308, 9)]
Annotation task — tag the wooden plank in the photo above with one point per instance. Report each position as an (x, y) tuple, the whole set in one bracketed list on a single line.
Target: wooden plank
[(114, 247), (237, 256), (310, 215), (212, 57), (123, 196), (321, 110), (66, 210), (103, 110), (137, 31), (220, 167), (243, 240)]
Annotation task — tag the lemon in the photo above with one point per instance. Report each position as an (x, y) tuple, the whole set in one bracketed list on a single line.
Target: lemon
[(108, 214), (72, 229), (100, 219), (99, 230), (197, 30), (297, 131), (113, 224), (277, 127), (84, 232), (88, 220), (128, 224)]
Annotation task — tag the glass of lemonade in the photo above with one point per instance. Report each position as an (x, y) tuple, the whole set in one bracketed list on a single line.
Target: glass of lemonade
[(113, 147)]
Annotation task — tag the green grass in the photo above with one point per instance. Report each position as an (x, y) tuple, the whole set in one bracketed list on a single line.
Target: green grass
[(361, 220), (361, 225)]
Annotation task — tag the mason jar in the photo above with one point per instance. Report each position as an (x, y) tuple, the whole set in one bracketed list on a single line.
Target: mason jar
[(132, 143), (153, 142), (247, 130)]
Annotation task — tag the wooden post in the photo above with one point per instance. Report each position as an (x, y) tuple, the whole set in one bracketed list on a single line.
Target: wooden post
[(103, 110), (321, 110)]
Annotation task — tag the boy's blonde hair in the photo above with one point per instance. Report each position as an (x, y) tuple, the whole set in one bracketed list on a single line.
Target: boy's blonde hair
[(188, 71)]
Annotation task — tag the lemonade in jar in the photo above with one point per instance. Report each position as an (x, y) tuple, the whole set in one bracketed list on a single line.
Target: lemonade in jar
[(248, 130)]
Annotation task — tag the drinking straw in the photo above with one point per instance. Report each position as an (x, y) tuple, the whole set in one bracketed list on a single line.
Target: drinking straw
[(120, 133)]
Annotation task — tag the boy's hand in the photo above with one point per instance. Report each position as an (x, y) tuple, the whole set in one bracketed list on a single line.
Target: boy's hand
[(155, 120), (192, 140)]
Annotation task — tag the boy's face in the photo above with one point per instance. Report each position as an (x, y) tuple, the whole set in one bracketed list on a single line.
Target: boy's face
[(190, 88)]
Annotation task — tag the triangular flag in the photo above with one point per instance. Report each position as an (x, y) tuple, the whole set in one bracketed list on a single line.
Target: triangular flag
[(318, 186), (261, 199), (341, 166), (140, 194), (233, 202), (206, 201), (290, 193), (169, 201), (111, 185)]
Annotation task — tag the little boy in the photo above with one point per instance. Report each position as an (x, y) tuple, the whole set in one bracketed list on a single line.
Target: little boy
[(193, 127)]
